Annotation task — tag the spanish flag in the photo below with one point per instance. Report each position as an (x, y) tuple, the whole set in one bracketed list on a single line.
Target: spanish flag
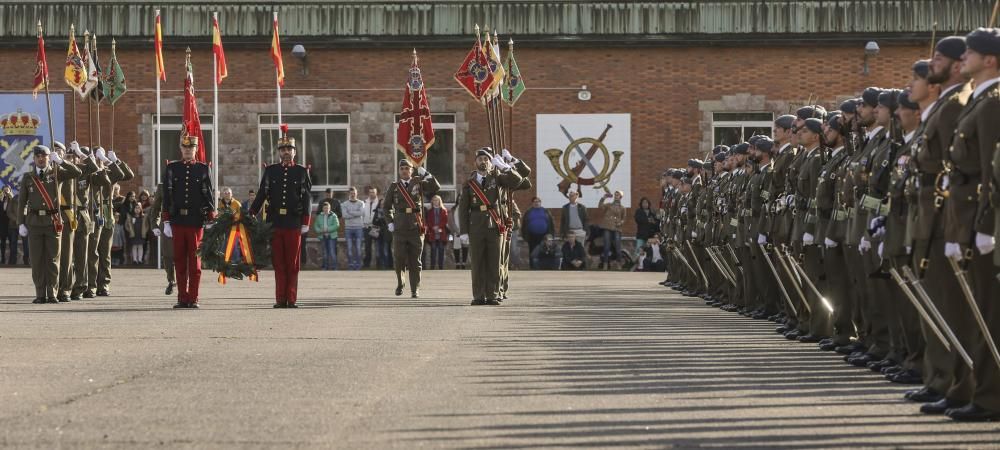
[(220, 56), (158, 46), (42, 66), (279, 66), (76, 71)]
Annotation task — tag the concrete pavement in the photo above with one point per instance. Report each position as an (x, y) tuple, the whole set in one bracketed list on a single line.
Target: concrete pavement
[(574, 360)]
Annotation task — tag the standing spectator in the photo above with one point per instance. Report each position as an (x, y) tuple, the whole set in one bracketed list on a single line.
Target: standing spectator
[(437, 231), (611, 225), (118, 241), (135, 234), (354, 227), (5, 236), (373, 234), (326, 226), (334, 203), (574, 218), (10, 211), (144, 199), (546, 256), (646, 223), (251, 195), (127, 205), (460, 242), (573, 255), (229, 203), (537, 223)]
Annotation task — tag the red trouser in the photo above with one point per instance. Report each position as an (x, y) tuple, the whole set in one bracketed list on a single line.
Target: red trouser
[(186, 263), (285, 246)]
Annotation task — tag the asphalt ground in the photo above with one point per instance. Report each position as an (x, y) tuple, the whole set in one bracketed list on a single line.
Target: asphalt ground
[(572, 360)]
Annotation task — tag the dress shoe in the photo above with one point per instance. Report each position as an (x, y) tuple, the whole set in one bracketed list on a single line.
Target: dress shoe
[(792, 335), (826, 341), (292, 305), (38, 300), (905, 377), (876, 366), (103, 293), (193, 305), (923, 395), (88, 294), (279, 305), (180, 305), (760, 316), (940, 406), (889, 370), (51, 300), (972, 413), (783, 329), (169, 290), (862, 361), (478, 302), (74, 297), (849, 348), (493, 302), (414, 295), (828, 346), (399, 290), (63, 299), (810, 338)]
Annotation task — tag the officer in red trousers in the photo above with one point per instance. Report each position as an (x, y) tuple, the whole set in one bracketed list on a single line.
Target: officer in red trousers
[(188, 204), (287, 189)]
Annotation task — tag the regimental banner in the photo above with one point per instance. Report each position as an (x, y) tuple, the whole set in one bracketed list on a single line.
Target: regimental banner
[(22, 127), (590, 153)]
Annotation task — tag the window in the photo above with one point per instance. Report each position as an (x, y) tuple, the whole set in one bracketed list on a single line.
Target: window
[(170, 140), (321, 142), (440, 159), (731, 128)]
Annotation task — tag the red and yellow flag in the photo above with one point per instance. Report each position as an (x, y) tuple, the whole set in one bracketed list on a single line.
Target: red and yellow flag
[(220, 56), (42, 66), (474, 74), (191, 120), (416, 132), (76, 72), (158, 46), (279, 66)]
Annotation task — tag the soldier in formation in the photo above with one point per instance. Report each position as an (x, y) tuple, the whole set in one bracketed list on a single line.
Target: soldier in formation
[(868, 230)]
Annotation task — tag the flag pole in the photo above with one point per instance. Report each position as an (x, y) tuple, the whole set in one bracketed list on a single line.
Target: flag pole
[(277, 80), (510, 92), (113, 44), (215, 115), (48, 110), (156, 149), (94, 56)]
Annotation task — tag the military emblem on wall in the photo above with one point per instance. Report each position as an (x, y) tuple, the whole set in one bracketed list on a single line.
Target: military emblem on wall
[(585, 153), (20, 136)]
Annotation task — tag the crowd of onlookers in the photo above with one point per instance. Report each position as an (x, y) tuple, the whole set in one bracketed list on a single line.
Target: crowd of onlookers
[(359, 221)]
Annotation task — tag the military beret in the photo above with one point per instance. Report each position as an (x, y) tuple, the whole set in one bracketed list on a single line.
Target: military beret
[(752, 140), (951, 46), (870, 96), (708, 165), (720, 157), (922, 68), (905, 102), (764, 143), (694, 163), (786, 121), (850, 105), (811, 111), (815, 125), (85, 150), (405, 163), (984, 41), (720, 149), (677, 173), (41, 150), (835, 121), (889, 98), (484, 151), (741, 149), (59, 145)]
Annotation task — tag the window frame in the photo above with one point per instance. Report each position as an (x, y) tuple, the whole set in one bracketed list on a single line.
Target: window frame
[(301, 156), (207, 126), (742, 124)]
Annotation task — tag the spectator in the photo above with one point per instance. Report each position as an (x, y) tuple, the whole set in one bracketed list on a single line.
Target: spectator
[(354, 226), (326, 226), (6, 197), (460, 242), (651, 256), (546, 256), (573, 255), (574, 218), (334, 203), (124, 205), (646, 223), (611, 225), (373, 221), (144, 199), (118, 242), (251, 195), (436, 220), (135, 233), (10, 211), (227, 202), (537, 223)]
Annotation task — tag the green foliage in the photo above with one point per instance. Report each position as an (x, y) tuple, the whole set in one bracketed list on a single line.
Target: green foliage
[(213, 246)]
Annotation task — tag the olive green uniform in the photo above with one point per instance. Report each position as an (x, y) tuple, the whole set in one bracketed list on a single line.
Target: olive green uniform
[(484, 233), (407, 234), (77, 222), (36, 215), (99, 262)]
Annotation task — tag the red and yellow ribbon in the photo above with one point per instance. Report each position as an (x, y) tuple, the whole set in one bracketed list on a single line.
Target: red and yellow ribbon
[(238, 233)]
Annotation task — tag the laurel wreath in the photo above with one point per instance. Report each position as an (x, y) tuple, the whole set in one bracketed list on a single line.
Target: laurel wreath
[(213, 246)]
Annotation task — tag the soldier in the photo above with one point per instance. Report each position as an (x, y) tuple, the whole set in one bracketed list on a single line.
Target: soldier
[(87, 223), (39, 218), (756, 202), (813, 159), (99, 245), (969, 226), (481, 218), (76, 221), (166, 243), (286, 187), (188, 204), (404, 211), (777, 227), (513, 219)]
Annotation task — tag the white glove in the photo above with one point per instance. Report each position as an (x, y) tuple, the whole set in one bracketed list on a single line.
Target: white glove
[(101, 156), (881, 246), (304, 229), (877, 224), (112, 156), (909, 250), (507, 156), (694, 234), (500, 164), (464, 238), (945, 182), (74, 147), (392, 228), (421, 171), (156, 232), (167, 231), (209, 225), (55, 158), (789, 200), (808, 239), (985, 243), (761, 239), (953, 250), (830, 243), (22, 230), (864, 245)]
